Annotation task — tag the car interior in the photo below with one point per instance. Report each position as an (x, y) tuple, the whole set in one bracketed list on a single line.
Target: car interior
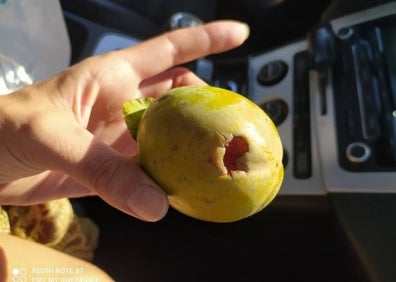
[(325, 72)]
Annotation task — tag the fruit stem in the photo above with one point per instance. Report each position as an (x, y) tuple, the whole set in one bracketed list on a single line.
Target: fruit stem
[(133, 111)]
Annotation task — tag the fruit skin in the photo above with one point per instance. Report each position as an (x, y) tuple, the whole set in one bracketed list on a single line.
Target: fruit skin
[(182, 138)]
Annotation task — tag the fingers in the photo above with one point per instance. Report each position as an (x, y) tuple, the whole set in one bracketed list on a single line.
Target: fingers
[(57, 142), (175, 77), (122, 71), (121, 182), (177, 47)]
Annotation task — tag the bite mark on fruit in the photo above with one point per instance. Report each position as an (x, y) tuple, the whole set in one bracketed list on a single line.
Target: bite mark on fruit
[(234, 150)]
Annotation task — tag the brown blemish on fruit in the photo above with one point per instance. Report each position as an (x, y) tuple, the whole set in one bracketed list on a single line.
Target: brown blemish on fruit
[(227, 157), (234, 150)]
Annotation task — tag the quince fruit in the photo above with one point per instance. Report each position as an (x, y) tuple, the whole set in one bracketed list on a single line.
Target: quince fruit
[(216, 153)]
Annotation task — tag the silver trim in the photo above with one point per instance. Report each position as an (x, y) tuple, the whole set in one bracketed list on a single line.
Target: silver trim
[(355, 159), (364, 16)]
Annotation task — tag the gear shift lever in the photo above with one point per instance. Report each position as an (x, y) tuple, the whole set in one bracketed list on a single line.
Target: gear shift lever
[(183, 19)]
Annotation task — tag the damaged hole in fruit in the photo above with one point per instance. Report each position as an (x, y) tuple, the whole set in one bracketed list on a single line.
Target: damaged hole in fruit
[(234, 150)]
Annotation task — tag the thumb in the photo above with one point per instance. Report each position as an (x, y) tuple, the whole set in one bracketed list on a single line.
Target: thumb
[(117, 179)]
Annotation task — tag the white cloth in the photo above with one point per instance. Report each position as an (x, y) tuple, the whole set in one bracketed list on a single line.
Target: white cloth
[(33, 40)]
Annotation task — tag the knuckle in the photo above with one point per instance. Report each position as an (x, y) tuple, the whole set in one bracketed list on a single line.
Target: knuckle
[(102, 172)]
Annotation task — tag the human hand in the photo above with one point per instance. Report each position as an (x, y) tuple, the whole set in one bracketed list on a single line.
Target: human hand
[(66, 137)]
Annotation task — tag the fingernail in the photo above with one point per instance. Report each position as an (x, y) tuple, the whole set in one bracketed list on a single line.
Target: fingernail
[(246, 30), (148, 202)]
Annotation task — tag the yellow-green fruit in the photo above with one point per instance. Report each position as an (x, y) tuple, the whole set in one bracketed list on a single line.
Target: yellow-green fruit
[(217, 154)]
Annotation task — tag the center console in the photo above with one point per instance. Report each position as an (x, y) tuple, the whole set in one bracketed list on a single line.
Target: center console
[(339, 88)]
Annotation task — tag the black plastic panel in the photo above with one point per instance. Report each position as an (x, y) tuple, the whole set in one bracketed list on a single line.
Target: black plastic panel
[(364, 98), (294, 239), (302, 158)]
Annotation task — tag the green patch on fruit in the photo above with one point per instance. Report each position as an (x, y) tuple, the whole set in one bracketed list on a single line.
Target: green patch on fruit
[(133, 111)]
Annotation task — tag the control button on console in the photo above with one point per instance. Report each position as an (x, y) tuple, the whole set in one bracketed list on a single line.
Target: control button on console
[(276, 109), (358, 152), (272, 73)]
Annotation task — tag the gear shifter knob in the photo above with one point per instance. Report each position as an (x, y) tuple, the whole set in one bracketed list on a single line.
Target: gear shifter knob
[(182, 19)]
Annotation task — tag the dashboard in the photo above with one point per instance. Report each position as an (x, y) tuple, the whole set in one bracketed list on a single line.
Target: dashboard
[(339, 132)]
